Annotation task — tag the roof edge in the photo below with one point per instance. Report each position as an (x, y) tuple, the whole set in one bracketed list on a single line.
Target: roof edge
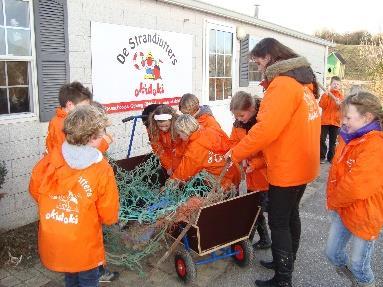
[(218, 11)]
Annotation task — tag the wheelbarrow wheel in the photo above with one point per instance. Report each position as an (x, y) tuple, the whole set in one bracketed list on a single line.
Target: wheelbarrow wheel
[(185, 266), (245, 253)]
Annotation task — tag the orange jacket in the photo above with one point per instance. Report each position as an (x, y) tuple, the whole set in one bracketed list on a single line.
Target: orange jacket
[(205, 150), (287, 132), (256, 180), (170, 152), (330, 110), (73, 204), (56, 137), (355, 184), (206, 119)]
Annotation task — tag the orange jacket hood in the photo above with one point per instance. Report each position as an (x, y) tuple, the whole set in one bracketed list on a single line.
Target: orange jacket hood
[(206, 119), (213, 140)]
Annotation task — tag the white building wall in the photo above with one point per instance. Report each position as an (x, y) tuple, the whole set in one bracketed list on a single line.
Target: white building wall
[(22, 141)]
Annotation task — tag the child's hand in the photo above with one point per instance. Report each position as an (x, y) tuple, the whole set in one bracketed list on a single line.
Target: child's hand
[(169, 172), (249, 169), (227, 155), (108, 137)]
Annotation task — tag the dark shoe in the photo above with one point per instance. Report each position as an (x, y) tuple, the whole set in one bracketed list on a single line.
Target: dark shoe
[(107, 276), (268, 264)]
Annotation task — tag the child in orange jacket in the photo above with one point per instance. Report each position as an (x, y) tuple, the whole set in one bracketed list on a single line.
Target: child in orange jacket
[(189, 104), (70, 95), (205, 148), (355, 188), (245, 109), (76, 193), (164, 139), (330, 119)]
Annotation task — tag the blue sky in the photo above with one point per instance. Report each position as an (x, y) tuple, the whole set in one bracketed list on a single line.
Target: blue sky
[(308, 16)]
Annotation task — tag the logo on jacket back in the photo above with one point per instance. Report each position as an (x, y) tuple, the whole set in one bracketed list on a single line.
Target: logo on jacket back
[(66, 208), (214, 157), (312, 105)]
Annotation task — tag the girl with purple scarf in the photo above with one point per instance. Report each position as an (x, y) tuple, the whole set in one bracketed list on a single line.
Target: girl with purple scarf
[(355, 189)]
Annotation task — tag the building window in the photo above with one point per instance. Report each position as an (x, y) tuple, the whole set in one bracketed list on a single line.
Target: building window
[(15, 57), (254, 75), (220, 64)]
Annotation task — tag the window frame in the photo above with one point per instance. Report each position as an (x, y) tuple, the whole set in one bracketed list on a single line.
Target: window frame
[(33, 114), (252, 39), (222, 26)]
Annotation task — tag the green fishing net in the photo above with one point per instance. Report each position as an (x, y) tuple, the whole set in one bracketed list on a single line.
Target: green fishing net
[(147, 209)]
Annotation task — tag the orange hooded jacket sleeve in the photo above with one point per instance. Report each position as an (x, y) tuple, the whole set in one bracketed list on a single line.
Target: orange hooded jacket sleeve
[(206, 120), (355, 184), (205, 149), (73, 204), (287, 132), (56, 136), (256, 180), (330, 110), (169, 152)]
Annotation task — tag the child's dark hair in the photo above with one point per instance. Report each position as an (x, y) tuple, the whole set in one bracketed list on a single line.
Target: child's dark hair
[(74, 92), (147, 111), (365, 102), (153, 129), (243, 101), (335, 78), (275, 49)]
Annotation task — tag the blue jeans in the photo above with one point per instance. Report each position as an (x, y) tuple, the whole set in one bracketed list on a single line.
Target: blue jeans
[(87, 278), (361, 250)]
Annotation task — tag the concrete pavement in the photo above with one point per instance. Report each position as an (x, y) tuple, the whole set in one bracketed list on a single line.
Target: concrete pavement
[(311, 268)]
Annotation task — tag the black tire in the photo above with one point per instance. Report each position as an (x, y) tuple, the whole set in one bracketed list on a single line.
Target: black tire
[(185, 267), (246, 254)]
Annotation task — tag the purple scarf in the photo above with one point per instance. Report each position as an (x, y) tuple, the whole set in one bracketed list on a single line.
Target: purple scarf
[(347, 137)]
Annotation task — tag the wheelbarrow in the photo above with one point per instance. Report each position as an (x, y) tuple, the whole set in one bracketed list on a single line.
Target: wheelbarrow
[(221, 230)]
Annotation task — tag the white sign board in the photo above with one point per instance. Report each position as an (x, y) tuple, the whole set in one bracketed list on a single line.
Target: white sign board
[(133, 67)]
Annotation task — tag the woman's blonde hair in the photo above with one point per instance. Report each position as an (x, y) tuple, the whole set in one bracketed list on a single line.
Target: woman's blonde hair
[(365, 102), (83, 124), (153, 130), (186, 124), (189, 104), (243, 101)]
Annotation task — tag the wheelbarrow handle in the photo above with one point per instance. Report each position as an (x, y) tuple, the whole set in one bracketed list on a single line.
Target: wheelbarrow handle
[(134, 117)]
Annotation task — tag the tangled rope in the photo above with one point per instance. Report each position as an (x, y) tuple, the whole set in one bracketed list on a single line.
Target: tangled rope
[(148, 210)]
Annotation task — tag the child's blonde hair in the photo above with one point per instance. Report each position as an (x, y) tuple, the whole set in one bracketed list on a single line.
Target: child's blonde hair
[(189, 104), (365, 102), (153, 130), (83, 124), (243, 101), (186, 124)]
